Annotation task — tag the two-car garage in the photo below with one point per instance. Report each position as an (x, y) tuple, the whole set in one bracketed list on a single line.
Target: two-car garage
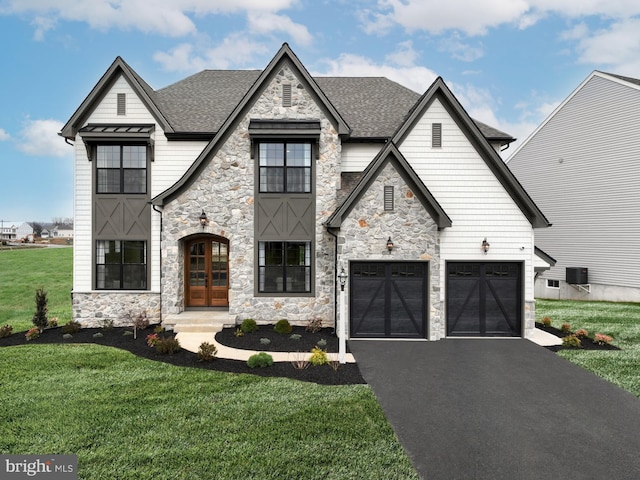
[(390, 299)]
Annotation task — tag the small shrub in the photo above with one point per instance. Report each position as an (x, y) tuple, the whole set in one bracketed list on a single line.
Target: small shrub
[(318, 357), (67, 336), (5, 330), (335, 364), (572, 341), (602, 339), (152, 339), (139, 321), (97, 335), (239, 332), (71, 327), (314, 325), (40, 317), (32, 333), (207, 352), (300, 361), (265, 341), (167, 345), (546, 321), (260, 360), (283, 327), (322, 343), (52, 323), (248, 325), (582, 333), (158, 329), (565, 327), (295, 336), (127, 333), (107, 323)]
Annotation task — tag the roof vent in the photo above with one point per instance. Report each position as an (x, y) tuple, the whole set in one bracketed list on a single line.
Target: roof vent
[(122, 104), (286, 95)]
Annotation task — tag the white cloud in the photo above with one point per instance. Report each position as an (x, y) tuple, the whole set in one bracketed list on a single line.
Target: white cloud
[(404, 56), (268, 22), (459, 49), (40, 138), (4, 136)]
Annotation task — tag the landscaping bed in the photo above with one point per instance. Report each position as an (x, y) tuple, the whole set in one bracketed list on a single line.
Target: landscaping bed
[(120, 337), (586, 343), (298, 340)]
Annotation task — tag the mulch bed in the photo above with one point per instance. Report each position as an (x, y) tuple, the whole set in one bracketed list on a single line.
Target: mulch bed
[(346, 374), (587, 343), (279, 342)]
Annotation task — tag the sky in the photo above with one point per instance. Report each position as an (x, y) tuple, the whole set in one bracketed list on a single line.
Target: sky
[(509, 62)]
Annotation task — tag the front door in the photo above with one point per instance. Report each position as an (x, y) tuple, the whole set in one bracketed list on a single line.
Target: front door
[(207, 272)]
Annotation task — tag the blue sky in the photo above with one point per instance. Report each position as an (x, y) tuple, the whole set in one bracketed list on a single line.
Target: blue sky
[(509, 62)]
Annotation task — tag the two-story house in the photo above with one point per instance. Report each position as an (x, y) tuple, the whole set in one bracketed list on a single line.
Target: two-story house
[(251, 191)]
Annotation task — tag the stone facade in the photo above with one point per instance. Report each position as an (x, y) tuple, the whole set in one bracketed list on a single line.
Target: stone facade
[(225, 190), (364, 233), (96, 308)]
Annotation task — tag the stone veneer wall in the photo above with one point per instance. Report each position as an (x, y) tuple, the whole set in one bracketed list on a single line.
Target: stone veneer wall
[(363, 237), (225, 190), (93, 309)]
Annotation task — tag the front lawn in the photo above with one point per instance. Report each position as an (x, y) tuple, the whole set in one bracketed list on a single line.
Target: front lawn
[(619, 320), (131, 418)]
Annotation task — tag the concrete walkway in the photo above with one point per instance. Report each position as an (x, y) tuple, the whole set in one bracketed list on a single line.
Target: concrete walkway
[(501, 409)]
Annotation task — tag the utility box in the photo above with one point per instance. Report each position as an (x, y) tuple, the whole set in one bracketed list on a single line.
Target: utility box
[(577, 275)]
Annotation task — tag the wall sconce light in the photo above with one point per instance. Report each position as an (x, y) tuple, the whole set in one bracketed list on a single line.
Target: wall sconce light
[(485, 246), (203, 219), (389, 245), (342, 276)]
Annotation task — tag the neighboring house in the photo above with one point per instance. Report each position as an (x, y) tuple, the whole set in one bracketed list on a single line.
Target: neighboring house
[(250, 191), (25, 230), (582, 167), (45, 233), (62, 231), (8, 231)]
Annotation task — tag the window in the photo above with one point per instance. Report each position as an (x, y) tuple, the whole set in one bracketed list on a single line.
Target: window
[(388, 198), (121, 265), (284, 267), (121, 168), (436, 135), (553, 283), (285, 167)]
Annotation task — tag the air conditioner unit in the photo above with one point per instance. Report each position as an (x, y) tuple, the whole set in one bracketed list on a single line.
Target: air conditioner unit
[(577, 275)]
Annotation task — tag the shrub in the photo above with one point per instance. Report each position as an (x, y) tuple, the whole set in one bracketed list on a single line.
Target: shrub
[(295, 336), (572, 341), (40, 317), (152, 339), (248, 325), (565, 327), (53, 322), (322, 343), (158, 329), (107, 323), (260, 360), (97, 335), (207, 352), (602, 339), (265, 341), (71, 327), (582, 333), (32, 333), (314, 325), (283, 326), (239, 332), (318, 357), (167, 345), (5, 330), (300, 361), (139, 321), (546, 321)]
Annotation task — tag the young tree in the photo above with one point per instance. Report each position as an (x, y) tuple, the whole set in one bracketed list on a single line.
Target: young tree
[(40, 318)]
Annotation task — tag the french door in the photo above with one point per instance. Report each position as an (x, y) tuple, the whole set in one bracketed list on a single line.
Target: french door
[(207, 272)]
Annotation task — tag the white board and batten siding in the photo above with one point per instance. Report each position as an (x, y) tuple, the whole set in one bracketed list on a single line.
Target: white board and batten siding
[(472, 196), (171, 161), (582, 168)]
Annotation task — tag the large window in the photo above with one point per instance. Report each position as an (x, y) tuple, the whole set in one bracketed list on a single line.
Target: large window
[(285, 167), (121, 168), (284, 267), (121, 265)]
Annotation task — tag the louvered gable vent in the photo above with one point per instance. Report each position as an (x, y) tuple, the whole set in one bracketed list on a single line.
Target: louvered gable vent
[(436, 135), (388, 198), (122, 104), (286, 95)]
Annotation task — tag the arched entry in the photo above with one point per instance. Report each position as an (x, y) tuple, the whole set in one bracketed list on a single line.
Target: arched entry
[(206, 272)]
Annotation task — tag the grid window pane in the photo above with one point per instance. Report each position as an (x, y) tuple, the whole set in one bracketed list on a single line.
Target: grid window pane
[(121, 169), (298, 180), (272, 179), (271, 154), (108, 181), (135, 181), (299, 154), (285, 167), (134, 156), (284, 267), (108, 156)]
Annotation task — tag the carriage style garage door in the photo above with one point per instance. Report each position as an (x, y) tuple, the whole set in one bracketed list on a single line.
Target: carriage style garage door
[(388, 299), (484, 299)]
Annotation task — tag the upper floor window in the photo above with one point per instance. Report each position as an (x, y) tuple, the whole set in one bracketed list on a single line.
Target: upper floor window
[(285, 167), (121, 168)]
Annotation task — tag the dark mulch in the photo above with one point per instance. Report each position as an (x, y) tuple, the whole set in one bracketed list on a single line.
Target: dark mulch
[(279, 342), (587, 343), (346, 374)]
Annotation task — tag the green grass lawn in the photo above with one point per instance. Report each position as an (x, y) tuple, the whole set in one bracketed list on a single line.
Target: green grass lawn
[(619, 320), (24, 271), (132, 418)]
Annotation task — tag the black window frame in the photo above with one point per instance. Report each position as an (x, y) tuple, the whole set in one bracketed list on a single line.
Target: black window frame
[(286, 168), (285, 268), (121, 266), (121, 169)]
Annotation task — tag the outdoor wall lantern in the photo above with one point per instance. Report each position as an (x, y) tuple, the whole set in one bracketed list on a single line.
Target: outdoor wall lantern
[(389, 245), (485, 246), (203, 219), (342, 276)]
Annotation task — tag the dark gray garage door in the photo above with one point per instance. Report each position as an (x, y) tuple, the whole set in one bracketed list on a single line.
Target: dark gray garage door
[(484, 299), (388, 299)]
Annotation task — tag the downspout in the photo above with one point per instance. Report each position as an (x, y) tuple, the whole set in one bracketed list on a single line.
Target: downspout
[(160, 246), (335, 280)]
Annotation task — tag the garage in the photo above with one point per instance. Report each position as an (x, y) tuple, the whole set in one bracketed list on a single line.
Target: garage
[(484, 299), (388, 299)]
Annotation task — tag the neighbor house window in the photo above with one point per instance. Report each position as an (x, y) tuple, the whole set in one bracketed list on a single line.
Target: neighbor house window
[(121, 168), (121, 264), (285, 167), (284, 267), (553, 283)]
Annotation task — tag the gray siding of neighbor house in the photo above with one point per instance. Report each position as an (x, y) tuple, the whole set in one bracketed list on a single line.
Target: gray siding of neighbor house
[(582, 168)]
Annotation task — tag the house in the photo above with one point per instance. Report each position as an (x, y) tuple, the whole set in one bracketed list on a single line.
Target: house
[(8, 231), (25, 230), (582, 167), (62, 230), (251, 192)]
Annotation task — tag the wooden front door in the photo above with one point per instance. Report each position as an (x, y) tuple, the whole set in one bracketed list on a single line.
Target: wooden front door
[(207, 272)]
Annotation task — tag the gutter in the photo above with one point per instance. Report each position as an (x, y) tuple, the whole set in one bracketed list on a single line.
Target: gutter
[(160, 246), (335, 280)]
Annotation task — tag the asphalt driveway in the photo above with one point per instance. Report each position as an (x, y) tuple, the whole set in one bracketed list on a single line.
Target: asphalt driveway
[(501, 409)]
